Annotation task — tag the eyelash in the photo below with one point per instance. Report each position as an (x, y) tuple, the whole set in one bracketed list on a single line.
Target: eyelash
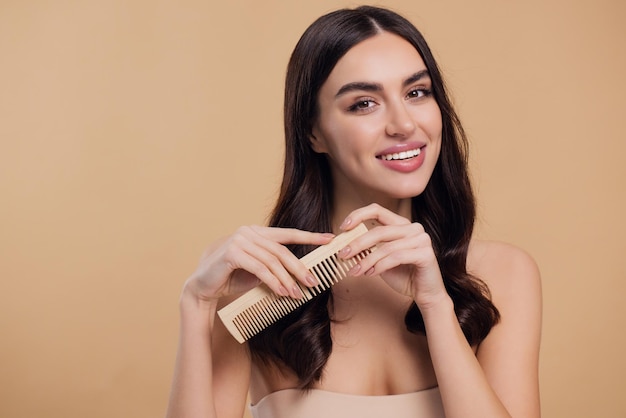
[(356, 107), (425, 93)]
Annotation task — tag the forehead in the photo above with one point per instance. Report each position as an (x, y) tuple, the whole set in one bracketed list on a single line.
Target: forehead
[(383, 58)]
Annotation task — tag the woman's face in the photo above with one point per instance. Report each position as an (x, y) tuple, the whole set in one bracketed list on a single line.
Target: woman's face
[(378, 121)]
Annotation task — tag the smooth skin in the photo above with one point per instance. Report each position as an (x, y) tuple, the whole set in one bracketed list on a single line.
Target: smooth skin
[(373, 353)]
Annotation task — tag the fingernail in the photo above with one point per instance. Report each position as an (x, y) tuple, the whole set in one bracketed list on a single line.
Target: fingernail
[(345, 223), (296, 292), (311, 280), (344, 251), (283, 291), (328, 235), (370, 271), (354, 270)]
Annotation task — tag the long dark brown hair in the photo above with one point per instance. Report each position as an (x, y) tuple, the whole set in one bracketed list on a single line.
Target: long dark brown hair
[(302, 340)]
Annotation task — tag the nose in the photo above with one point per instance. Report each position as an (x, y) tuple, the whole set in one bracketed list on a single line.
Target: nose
[(400, 123)]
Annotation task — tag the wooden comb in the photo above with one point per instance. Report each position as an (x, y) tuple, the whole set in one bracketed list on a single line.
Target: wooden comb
[(260, 307)]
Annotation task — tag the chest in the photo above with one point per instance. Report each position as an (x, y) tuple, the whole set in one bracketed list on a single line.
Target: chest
[(373, 353)]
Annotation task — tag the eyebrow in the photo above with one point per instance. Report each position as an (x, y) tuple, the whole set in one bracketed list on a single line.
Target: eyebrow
[(376, 87)]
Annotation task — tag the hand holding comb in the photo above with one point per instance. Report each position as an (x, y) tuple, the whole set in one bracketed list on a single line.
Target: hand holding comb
[(259, 308)]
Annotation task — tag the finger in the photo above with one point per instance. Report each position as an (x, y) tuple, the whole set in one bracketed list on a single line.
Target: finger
[(288, 260), (269, 262), (380, 262), (416, 250), (294, 236), (373, 212), (377, 236), (259, 269), (280, 262), (402, 257), (370, 263)]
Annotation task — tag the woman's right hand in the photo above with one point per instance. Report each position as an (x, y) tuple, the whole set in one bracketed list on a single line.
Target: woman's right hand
[(253, 254)]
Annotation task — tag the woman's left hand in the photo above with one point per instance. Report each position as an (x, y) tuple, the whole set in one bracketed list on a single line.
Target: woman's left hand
[(404, 255)]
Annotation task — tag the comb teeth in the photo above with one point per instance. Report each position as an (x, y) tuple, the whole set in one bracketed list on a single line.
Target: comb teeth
[(259, 308)]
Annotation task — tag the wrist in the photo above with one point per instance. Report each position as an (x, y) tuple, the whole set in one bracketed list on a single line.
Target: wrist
[(436, 306), (190, 302)]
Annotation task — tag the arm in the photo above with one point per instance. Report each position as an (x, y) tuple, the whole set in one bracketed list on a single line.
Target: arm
[(500, 380), (212, 370), (193, 391), (509, 355)]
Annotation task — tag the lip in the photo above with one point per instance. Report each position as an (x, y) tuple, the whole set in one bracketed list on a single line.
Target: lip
[(397, 148), (404, 166)]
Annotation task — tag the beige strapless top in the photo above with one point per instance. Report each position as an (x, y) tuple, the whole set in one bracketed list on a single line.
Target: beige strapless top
[(294, 403)]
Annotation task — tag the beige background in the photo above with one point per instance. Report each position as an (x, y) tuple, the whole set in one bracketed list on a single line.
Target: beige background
[(134, 133)]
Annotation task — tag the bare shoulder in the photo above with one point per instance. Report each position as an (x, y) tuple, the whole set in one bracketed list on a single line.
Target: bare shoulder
[(509, 355), (505, 268)]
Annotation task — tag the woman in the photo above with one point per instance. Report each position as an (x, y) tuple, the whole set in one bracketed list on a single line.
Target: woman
[(432, 322)]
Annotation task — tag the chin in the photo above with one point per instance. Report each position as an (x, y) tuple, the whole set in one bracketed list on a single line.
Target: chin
[(408, 192)]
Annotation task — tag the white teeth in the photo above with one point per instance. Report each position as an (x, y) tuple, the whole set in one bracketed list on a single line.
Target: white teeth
[(402, 155)]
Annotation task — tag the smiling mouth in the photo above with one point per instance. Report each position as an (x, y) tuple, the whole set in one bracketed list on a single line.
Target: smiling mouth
[(404, 155)]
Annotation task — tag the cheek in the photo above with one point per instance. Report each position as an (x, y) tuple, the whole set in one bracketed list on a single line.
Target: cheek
[(431, 122), (432, 125), (344, 136)]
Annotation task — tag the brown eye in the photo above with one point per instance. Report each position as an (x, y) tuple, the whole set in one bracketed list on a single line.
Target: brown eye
[(361, 105), (418, 93)]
